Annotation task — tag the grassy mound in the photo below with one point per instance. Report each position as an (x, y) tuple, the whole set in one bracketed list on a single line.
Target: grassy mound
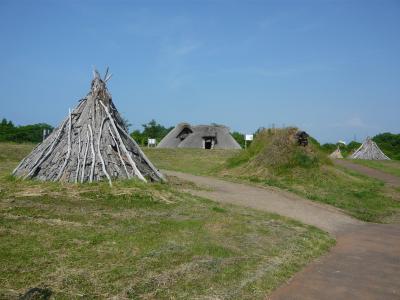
[(274, 158), (276, 151)]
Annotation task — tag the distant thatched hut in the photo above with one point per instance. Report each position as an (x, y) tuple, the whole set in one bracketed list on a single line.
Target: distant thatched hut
[(336, 154), (185, 135)]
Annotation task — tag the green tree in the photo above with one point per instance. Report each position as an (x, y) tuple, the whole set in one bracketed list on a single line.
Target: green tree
[(389, 144), (152, 130), (20, 134), (239, 137)]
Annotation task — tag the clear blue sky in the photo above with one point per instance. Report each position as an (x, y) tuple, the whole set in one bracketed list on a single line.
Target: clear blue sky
[(329, 67)]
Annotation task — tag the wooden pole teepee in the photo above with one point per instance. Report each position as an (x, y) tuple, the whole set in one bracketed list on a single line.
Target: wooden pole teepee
[(91, 144), (369, 150)]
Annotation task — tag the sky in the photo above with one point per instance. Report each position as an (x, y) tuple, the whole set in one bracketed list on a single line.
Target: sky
[(331, 68)]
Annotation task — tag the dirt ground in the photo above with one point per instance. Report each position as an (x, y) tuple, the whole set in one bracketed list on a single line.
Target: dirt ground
[(364, 264)]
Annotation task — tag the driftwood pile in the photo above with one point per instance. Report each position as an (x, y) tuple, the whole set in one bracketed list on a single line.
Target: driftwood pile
[(91, 144), (369, 150)]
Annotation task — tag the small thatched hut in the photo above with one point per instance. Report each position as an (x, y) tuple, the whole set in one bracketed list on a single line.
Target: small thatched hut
[(336, 154), (185, 135), (369, 150)]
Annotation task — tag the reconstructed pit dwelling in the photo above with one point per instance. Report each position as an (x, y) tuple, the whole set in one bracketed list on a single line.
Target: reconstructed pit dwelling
[(91, 144), (369, 150), (185, 135)]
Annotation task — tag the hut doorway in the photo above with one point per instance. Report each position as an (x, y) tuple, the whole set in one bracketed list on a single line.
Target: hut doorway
[(208, 142)]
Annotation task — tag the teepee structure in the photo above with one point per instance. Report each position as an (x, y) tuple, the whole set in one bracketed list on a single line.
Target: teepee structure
[(336, 154), (369, 150), (91, 144)]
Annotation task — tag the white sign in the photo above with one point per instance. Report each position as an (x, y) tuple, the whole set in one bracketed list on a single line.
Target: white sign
[(249, 137), (151, 141)]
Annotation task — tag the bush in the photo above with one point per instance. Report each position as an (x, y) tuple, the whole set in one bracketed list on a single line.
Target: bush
[(151, 130), (389, 144), (22, 134)]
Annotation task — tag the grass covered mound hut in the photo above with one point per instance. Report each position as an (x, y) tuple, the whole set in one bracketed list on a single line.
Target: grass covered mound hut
[(185, 135), (369, 150), (276, 151), (91, 144)]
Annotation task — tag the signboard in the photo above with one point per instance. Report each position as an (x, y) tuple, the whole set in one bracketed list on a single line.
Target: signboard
[(249, 137), (151, 142)]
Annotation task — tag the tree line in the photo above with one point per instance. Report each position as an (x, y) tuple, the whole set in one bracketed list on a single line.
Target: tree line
[(388, 142), (22, 134)]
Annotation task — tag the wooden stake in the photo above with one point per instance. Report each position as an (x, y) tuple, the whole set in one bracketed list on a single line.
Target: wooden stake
[(84, 158), (69, 148), (119, 153), (99, 152), (93, 154), (79, 154), (136, 170)]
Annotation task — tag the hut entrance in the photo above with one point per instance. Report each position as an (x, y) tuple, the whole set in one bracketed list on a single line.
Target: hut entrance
[(208, 142)]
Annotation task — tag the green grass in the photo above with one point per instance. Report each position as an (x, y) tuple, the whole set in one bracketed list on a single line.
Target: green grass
[(388, 166), (364, 198), (194, 161), (361, 197), (141, 241)]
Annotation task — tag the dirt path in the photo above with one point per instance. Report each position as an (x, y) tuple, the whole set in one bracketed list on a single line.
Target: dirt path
[(272, 200), (385, 177), (364, 264)]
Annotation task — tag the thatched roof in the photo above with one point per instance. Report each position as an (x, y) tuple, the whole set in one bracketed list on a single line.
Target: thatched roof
[(91, 144), (336, 154), (369, 150), (185, 135)]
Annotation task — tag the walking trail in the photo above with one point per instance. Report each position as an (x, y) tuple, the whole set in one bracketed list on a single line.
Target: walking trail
[(380, 175), (364, 264)]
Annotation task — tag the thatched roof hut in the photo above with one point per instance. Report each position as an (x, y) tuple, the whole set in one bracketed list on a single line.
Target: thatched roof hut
[(336, 154), (185, 135), (369, 150)]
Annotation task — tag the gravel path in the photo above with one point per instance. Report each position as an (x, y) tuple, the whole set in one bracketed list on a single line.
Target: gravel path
[(364, 264)]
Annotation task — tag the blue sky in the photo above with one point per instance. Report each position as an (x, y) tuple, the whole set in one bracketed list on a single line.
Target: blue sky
[(329, 67)]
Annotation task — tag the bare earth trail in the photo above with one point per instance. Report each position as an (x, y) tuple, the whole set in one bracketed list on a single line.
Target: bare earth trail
[(364, 264), (374, 173)]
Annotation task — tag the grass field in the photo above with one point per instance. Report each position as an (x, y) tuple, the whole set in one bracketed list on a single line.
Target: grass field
[(388, 166), (361, 197), (141, 241), (194, 161)]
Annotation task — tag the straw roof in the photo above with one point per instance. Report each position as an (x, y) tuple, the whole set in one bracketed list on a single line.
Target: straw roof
[(185, 135), (336, 154)]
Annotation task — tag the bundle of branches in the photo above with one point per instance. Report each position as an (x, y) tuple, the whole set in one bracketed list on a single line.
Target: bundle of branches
[(369, 150), (91, 144)]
